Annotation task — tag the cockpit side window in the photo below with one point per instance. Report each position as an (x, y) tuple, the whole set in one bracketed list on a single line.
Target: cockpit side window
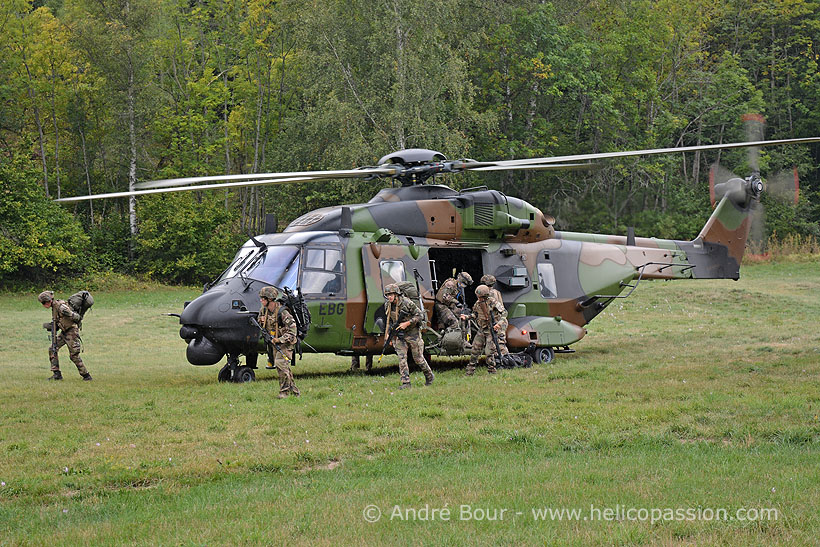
[(546, 278), (323, 272)]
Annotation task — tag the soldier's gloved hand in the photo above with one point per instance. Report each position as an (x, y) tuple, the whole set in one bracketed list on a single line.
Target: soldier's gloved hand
[(47, 326), (277, 340)]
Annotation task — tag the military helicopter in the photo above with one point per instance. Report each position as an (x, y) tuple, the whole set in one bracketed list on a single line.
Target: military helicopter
[(340, 258)]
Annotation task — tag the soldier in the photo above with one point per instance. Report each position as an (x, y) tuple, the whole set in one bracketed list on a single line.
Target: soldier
[(489, 280), (278, 321), (66, 321), (448, 304), (408, 336), (483, 341)]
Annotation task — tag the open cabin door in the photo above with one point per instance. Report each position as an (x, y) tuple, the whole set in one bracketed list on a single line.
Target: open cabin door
[(385, 264)]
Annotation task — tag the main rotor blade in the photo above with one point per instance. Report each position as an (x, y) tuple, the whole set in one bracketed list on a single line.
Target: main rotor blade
[(654, 151), (182, 189), (300, 176), (549, 166)]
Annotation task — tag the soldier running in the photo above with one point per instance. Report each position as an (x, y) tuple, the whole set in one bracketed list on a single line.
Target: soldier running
[(66, 320), (408, 335), (483, 341), (448, 304), (278, 321)]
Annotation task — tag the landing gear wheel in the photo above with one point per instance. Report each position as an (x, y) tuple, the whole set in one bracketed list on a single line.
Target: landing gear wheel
[(244, 375), (543, 355), (224, 374)]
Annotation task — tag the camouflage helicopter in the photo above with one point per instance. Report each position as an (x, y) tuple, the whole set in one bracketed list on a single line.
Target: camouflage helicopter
[(339, 259)]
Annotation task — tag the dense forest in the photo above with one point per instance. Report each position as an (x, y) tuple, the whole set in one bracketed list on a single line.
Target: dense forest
[(97, 95)]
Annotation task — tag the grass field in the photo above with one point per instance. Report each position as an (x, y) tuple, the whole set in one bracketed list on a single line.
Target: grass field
[(686, 399)]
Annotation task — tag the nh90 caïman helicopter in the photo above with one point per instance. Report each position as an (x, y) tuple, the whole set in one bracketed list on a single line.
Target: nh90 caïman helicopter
[(340, 258)]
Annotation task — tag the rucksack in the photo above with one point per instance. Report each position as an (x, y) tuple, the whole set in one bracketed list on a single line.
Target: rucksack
[(297, 307), (81, 302), (409, 290)]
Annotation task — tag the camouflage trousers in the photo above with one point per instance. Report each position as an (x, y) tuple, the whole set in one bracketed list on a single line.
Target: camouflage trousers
[(415, 345), (70, 338), (282, 365), (445, 318), (483, 344)]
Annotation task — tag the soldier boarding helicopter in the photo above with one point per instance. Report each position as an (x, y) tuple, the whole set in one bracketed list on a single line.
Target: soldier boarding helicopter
[(339, 259)]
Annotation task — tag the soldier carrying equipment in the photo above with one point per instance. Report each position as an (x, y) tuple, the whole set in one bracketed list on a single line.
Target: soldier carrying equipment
[(404, 319), (65, 318), (281, 337)]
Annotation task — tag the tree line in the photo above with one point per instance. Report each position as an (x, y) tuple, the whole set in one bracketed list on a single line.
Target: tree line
[(97, 95)]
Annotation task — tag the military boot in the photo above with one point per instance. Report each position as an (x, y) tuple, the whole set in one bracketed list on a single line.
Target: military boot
[(57, 375), (470, 369), (429, 379), (86, 377), (404, 386)]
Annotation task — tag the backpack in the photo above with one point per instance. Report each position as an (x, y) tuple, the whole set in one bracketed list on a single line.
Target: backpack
[(409, 290), (297, 307), (81, 302)]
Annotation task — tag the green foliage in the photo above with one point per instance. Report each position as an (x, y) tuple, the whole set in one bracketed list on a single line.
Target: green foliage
[(39, 239), (99, 94), (184, 240)]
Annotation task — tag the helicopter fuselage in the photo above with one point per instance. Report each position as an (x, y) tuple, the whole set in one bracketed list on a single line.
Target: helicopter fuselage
[(341, 258)]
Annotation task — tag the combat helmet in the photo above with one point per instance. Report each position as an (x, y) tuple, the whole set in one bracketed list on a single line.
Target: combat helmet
[(392, 288), (270, 293), (464, 279), (45, 296), (482, 291), (488, 280)]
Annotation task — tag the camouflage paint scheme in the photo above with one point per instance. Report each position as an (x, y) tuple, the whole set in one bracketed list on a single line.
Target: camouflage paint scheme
[(552, 283)]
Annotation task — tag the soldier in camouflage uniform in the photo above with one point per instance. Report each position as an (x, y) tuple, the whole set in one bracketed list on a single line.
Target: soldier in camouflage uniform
[(483, 341), (66, 321), (448, 306), (408, 336), (278, 321), (489, 280)]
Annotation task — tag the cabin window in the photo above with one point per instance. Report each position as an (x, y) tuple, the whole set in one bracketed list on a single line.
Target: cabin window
[(392, 272), (546, 278), (322, 272)]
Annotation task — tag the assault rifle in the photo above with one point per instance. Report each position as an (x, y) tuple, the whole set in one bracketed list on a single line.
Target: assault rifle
[(270, 345), (499, 358), (53, 335), (393, 332)]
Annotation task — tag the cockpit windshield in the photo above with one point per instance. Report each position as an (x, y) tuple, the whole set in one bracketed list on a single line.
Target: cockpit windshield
[(278, 266), (240, 261)]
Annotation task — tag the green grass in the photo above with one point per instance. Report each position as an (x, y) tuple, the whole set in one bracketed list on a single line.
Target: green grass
[(700, 395)]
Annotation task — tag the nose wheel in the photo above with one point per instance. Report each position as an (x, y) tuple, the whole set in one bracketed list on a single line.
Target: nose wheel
[(234, 372)]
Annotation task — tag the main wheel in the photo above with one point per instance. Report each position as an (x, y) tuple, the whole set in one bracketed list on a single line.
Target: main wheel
[(544, 355), (244, 374), (224, 374)]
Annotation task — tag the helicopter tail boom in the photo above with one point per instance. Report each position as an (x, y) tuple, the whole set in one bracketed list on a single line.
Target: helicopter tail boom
[(728, 226)]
